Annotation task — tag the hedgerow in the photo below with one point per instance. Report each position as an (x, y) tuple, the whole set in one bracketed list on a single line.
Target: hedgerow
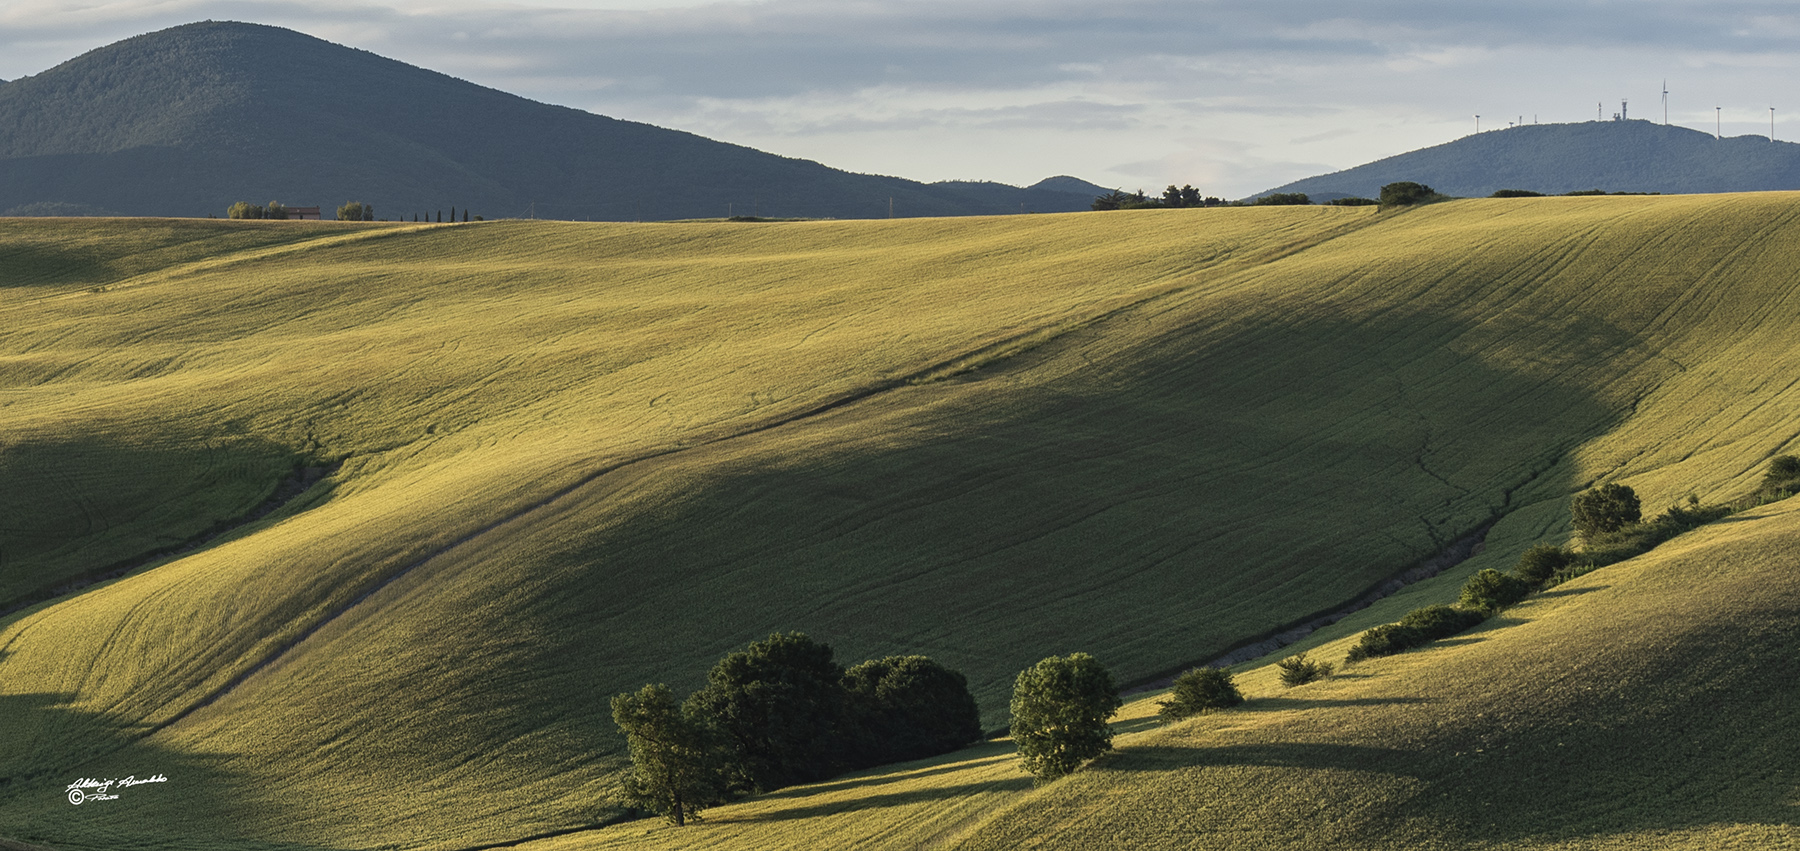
[(1607, 518)]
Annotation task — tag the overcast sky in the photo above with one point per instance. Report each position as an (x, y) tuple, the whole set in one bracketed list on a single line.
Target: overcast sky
[(1232, 96)]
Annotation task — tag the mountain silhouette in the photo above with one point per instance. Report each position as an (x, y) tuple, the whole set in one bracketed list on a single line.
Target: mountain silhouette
[(1615, 156), (185, 121)]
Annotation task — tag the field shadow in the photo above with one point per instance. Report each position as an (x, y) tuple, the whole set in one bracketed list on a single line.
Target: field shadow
[(1008, 522), (38, 265), (82, 511), (1703, 734), (53, 751), (899, 775)]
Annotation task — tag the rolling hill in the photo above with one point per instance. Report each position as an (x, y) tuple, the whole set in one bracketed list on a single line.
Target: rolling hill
[(186, 121), (1615, 156), (1643, 706), (566, 459)]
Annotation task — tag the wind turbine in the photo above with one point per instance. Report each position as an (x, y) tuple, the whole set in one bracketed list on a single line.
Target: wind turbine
[(1665, 101)]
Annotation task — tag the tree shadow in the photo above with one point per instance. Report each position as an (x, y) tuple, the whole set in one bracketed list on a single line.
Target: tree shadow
[(79, 511), (1569, 592), (1302, 755), (1285, 704), (886, 775), (889, 799)]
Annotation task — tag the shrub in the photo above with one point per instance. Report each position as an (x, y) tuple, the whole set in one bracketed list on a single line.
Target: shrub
[(1541, 562), (1353, 202), (1298, 670), (1406, 192), (1384, 640), (1200, 690), (1060, 707), (1419, 627), (1490, 591), (1604, 509), (1516, 193), (1437, 622)]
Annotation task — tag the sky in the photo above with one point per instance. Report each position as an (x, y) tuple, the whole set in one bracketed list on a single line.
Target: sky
[(1231, 96)]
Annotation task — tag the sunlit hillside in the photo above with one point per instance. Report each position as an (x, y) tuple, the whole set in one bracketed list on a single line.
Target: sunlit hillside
[(578, 458)]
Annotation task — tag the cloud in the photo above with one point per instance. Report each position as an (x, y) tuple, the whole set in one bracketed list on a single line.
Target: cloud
[(1118, 90)]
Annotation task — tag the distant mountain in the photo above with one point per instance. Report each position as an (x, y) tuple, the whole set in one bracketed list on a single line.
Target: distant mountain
[(1616, 156), (185, 121), (1075, 185)]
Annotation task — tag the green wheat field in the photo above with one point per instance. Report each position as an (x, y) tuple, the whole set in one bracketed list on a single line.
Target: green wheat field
[(563, 460)]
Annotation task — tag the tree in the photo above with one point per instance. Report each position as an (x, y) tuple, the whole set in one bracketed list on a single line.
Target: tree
[(243, 210), (780, 705), (1060, 707), (1279, 199), (356, 211), (1783, 477), (674, 764), (1200, 690), (1604, 509), (1186, 196), (1405, 193), (1783, 467), (908, 707), (275, 210)]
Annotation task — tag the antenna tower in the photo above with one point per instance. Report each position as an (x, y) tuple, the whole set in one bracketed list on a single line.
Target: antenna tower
[(1665, 101)]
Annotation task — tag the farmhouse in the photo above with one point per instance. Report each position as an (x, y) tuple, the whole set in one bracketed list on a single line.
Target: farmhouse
[(303, 213)]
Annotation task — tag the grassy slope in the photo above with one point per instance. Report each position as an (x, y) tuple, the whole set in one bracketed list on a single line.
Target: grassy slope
[(1645, 705), (1270, 433)]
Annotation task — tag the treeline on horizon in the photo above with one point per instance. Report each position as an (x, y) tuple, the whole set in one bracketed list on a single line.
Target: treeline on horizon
[(354, 211), (1401, 193)]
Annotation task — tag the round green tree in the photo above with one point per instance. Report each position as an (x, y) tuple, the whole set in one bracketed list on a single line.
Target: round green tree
[(1604, 509), (908, 707), (1405, 193), (1060, 707), (782, 710)]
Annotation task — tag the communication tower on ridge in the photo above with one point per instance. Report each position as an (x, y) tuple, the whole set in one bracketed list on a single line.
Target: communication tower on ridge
[(1665, 101)]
